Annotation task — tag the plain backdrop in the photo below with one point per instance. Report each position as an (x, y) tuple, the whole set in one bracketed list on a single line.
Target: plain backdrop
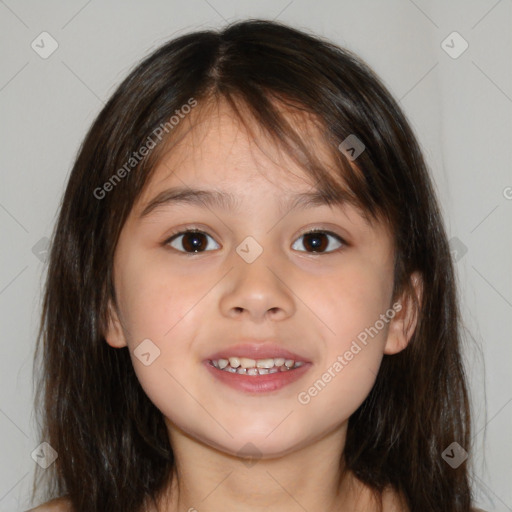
[(459, 103)]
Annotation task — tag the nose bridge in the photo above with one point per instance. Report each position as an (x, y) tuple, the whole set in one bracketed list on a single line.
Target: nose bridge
[(256, 284)]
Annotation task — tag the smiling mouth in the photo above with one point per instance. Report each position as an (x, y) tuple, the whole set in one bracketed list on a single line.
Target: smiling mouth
[(254, 367)]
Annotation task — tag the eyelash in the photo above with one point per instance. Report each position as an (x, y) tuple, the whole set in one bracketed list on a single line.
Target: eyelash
[(191, 229)]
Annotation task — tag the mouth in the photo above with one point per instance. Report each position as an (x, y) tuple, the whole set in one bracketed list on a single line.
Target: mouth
[(253, 367), (257, 368)]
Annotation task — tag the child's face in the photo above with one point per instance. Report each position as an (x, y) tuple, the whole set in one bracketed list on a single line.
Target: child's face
[(193, 305)]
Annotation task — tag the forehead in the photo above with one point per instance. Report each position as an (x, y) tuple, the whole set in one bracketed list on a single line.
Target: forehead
[(217, 149)]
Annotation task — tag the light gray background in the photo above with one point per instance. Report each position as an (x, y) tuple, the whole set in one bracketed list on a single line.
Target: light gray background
[(460, 109)]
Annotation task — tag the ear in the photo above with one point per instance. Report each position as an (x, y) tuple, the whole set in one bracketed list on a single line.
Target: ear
[(403, 324), (114, 334)]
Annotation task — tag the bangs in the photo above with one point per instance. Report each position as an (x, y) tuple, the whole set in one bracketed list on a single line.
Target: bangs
[(301, 134)]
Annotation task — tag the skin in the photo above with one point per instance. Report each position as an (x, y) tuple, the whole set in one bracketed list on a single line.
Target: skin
[(315, 304)]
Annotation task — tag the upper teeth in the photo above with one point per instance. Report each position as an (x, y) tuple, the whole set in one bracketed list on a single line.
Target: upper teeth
[(245, 363)]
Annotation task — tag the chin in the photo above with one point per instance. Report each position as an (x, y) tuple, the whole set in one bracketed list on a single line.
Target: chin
[(268, 443)]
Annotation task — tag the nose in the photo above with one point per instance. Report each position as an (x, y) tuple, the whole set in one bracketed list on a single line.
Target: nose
[(258, 290)]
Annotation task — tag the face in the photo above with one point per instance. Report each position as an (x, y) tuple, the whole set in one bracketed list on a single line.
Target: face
[(252, 282)]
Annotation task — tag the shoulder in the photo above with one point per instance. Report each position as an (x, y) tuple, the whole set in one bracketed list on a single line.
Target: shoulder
[(57, 505)]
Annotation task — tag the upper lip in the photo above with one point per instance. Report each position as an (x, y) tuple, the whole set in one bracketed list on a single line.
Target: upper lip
[(257, 350)]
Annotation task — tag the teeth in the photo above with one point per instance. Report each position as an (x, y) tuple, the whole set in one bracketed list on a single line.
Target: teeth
[(234, 362), (247, 366), (247, 363), (265, 363)]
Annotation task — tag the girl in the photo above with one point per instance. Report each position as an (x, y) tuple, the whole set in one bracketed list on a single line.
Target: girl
[(250, 302)]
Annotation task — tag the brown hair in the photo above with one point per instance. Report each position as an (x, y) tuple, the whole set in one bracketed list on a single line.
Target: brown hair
[(113, 447)]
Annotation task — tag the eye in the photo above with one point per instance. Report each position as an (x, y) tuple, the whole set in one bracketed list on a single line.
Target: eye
[(316, 239), (192, 241)]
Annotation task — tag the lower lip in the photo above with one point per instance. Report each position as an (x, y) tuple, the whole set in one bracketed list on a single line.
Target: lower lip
[(258, 383)]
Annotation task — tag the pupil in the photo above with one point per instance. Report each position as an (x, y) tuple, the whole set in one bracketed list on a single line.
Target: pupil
[(195, 244), (315, 242)]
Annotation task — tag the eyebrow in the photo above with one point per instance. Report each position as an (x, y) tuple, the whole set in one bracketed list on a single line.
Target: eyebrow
[(226, 201)]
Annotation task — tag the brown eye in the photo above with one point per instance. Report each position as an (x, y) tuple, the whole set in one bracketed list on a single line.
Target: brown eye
[(191, 241), (318, 241)]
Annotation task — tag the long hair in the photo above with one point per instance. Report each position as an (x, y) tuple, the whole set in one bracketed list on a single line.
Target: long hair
[(113, 448)]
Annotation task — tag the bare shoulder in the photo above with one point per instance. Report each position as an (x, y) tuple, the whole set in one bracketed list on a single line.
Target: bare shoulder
[(57, 505)]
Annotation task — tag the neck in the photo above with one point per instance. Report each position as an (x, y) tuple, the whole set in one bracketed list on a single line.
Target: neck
[(309, 478)]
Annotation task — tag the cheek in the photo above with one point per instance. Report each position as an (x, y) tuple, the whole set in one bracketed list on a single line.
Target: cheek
[(353, 308), (347, 370), (350, 304), (163, 315), (156, 299)]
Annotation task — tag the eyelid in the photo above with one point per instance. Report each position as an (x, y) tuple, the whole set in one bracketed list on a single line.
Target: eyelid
[(197, 228), (327, 231)]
